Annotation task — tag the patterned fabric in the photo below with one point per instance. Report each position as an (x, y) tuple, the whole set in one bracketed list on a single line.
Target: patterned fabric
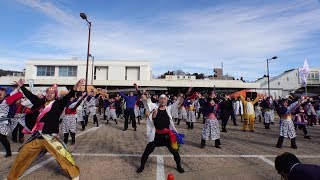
[(107, 112), (4, 110), (4, 128), (182, 114), (69, 123), (4, 120), (287, 129), (91, 110), (79, 116), (210, 130), (136, 111), (113, 114), (191, 116), (272, 115), (174, 110), (267, 117), (19, 118), (257, 111)]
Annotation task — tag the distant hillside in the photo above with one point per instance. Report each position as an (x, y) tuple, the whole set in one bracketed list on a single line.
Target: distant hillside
[(8, 72)]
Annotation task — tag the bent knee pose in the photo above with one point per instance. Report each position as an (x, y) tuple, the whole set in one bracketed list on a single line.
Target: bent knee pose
[(44, 133), (160, 131)]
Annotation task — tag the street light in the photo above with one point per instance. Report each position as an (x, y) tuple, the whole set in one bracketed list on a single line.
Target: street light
[(268, 60), (84, 16), (92, 68)]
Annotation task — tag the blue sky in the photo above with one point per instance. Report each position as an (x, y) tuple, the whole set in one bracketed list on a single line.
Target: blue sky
[(194, 36)]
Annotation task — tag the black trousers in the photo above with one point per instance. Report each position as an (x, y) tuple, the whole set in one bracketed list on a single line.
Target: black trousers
[(200, 112), (4, 141), (17, 130), (303, 127), (129, 112), (118, 111), (159, 141), (225, 117), (66, 137), (233, 117)]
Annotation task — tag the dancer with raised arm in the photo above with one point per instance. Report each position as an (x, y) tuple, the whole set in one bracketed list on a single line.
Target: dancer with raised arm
[(129, 111), (287, 129), (160, 130), (45, 131)]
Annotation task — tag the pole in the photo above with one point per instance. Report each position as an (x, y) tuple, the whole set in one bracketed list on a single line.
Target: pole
[(92, 70), (86, 83), (268, 77), (306, 90)]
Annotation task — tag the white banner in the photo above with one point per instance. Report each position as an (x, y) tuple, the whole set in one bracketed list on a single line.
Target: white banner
[(303, 73)]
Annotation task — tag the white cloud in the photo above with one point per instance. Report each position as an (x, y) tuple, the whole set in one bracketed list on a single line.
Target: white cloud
[(240, 35)]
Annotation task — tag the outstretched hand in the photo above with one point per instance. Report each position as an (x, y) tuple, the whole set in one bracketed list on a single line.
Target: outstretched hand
[(78, 84), (20, 82)]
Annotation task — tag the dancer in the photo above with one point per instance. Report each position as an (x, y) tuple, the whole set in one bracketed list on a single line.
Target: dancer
[(129, 111), (106, 105), (81, 111), (266, 108), (44, 133), (210, 130), (191, 114), (182, 112), (69, 121), (202, 103), (5, 103), (300, 121), (286, 125), (90, 107), (160, 130), (226, 109), (112, 111), (175, 109), (248, 113)]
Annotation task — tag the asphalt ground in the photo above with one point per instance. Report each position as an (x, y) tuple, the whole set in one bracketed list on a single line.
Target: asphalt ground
[(108, 152)]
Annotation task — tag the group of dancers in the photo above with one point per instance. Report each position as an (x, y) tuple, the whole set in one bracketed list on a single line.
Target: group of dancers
[(41, 116)]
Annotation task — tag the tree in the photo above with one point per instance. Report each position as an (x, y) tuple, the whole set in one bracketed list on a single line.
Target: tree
[(199, 76)]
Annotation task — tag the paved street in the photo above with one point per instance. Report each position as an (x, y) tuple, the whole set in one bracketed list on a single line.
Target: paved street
[(109, 153)]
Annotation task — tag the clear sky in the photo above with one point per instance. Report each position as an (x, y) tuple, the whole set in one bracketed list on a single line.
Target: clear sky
[(194, 36)]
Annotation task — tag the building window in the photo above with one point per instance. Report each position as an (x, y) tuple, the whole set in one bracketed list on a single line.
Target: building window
[(279, 83), (313, 75), (68, 71), (45, 70)]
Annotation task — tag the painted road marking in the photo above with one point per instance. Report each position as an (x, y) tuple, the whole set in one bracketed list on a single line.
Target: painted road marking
[(266, 160), (160, 168)]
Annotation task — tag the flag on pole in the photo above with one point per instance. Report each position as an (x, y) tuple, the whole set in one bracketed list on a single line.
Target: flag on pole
[(303, 73)]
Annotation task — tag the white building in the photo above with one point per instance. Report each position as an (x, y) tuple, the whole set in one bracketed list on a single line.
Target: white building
[(112, 73), (287, 82)]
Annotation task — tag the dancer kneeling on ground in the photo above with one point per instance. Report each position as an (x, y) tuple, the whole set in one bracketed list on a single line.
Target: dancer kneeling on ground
[(210, 130), (160, 130), (44, 132)]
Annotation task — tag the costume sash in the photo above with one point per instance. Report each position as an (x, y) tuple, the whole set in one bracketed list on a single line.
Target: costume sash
[(172, 136), (39, 125)]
